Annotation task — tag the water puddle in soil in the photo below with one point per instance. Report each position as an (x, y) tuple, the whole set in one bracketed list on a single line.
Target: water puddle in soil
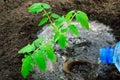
[(80, 60)]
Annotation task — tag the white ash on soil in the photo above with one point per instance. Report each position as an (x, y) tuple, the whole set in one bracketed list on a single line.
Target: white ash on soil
[(86, 46)]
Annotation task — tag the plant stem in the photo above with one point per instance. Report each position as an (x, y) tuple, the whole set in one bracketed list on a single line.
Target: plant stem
[(73, 17), (54, 26)]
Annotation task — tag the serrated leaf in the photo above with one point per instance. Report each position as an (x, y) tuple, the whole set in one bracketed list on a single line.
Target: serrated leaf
[(69, 15), (40, 60), (82, 18), (35, 8), (55, 15), (43, 21), (50, 53), (62, 40), (46, 6), (26, 49), (38, 41), (60, 20), (26, 66), (73, 29)]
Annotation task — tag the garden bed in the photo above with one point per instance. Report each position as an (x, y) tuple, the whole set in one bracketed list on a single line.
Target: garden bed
[(18, 27)]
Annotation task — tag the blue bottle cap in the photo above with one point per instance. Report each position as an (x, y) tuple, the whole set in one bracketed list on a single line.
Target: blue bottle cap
[(106, 55)]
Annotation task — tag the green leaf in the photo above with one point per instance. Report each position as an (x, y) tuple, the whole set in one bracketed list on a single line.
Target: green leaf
[(38, 41), (60, 26), (60, 20), (64, 30), (35, 8), (26, 66), (50, 53), (82, 18), (43, 21), (38, 7), (69, 15), (40, 60), (56, 36), (46, 6), (55, 15), (74, 29), (62, 40), (27, 49)]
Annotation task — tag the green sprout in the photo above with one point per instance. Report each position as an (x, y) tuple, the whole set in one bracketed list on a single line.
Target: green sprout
[(37, 53)]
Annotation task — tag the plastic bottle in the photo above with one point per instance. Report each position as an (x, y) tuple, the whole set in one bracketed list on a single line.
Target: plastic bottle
[(111, 55)]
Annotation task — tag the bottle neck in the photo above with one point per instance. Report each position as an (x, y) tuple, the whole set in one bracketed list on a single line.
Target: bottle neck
[(106, 55)]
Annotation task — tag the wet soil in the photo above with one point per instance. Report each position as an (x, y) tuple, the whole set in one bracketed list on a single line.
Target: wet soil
[(18, 28), (82, 68), (79, 61)]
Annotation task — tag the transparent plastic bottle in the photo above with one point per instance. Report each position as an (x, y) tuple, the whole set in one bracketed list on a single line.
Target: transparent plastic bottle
[(111, 55)]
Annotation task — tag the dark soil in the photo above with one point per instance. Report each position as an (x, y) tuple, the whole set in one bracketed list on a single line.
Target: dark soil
[(18, 28), (82, 68)]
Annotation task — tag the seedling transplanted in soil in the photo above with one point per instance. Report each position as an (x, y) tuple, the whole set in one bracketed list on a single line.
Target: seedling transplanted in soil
[(37, 53)]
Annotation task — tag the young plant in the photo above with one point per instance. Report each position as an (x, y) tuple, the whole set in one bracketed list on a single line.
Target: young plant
[(37, 53)]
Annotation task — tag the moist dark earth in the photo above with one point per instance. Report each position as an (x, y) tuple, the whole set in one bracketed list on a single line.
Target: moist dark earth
[(18, 27)]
